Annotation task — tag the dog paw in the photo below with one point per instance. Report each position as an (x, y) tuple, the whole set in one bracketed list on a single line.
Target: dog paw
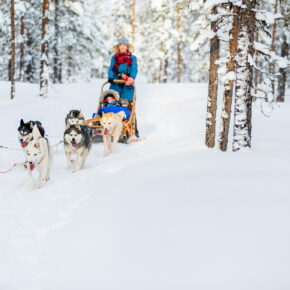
[(74, 171)]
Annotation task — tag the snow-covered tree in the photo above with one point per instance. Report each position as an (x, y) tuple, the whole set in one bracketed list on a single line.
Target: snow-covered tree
[(12, 59), (244, 62), (44, 74)]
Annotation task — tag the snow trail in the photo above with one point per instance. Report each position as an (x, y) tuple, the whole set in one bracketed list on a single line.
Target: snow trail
[(165, 213)]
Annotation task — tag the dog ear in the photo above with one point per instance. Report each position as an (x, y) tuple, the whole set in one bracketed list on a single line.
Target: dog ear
[(21, 122), (31, 125), (35, 132), (67, 126), (78, 127), (36, 145)]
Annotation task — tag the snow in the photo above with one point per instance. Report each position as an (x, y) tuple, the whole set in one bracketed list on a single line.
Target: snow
[(229, 76), (165, 213), (156, 4)]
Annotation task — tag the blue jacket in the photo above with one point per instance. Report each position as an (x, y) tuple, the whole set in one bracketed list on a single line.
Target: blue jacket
[(114, 109), (123, 68), (125, 92)]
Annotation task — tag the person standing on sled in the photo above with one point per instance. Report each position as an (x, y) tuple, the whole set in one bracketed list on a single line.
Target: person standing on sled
[(123, 67)]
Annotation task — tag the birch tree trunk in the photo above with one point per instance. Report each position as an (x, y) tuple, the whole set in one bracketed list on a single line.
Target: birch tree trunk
[(243, 99), (229, 85), (21, 73), (44, 52), (179, 60), (272, 65), (212, 87), (251, 51), (256, 70), (56, 65), (284, 53), (12, 62)]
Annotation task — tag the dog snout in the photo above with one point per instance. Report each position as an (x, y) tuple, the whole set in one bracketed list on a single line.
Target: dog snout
[(21, 140), (73, 139), (30, 162)]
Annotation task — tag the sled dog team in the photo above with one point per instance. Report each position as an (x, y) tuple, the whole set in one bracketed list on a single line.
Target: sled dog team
[(77, 140)]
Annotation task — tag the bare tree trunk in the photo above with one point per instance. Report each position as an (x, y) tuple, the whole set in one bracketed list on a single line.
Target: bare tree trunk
[(28, 73), (272, 65), (179, 59), (256, 61), (243, 99), (21, 47), (56, 76), (212, 86), (229, 85), (160, 71), (164, 79), (284, 53), (12, 64), (44, 52), (133, 20), (252, 29)]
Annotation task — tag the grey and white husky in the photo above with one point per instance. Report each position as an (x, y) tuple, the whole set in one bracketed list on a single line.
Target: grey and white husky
[(77, 140), (25, 131), (38, 155), (75, 117)]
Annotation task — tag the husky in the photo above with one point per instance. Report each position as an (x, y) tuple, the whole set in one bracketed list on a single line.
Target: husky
[(112, 127), (25, 131), (75, 117), (38, 155), (77, 139)]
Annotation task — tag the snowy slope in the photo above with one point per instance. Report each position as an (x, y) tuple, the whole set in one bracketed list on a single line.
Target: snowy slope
[(166, 213)]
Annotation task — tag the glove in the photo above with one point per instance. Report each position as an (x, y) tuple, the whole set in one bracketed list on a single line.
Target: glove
[(110, 80), (129, 82)]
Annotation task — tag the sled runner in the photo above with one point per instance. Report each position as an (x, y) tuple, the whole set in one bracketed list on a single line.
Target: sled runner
[(128, 131)]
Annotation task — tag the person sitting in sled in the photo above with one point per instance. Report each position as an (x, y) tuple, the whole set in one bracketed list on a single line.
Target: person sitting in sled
[(123, 67), (111, 104)]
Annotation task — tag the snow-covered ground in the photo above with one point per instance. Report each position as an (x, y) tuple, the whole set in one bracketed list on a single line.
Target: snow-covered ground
[(166, 213)]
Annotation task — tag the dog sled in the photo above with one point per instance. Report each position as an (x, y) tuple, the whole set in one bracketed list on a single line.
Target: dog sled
[(129, 125)]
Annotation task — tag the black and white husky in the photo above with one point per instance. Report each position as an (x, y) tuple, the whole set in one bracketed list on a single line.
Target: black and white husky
[(38, 155), (77, 140), (74, 117), (25, 131)]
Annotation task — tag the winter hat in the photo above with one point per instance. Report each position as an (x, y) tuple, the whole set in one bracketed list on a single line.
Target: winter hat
[(109, 94), (123, 40)]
